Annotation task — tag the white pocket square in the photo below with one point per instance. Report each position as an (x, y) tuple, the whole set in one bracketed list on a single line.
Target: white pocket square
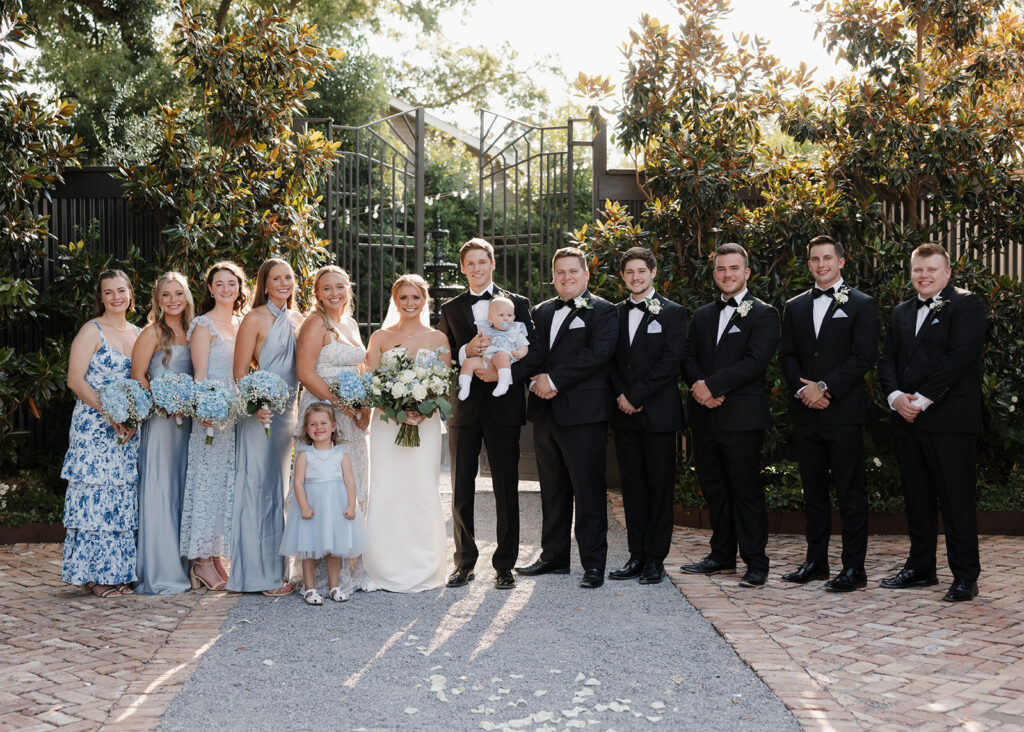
[(935, 321), (576, 323), (734, 329), (654, 327), (839, 314)]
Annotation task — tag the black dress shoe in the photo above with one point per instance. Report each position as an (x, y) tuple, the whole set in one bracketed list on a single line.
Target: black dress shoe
[(754, 578), (503, 579), (631, 570), (542, 567), (709, 566), (847, 581), (807, 572), (961, 591), (592, 579), (460, 577), (909, 578), (653, 572)]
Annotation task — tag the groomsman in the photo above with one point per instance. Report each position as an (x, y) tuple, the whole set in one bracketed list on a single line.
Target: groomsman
[(829, 342), (483, 419), (570, 404), (931, 371), (649, 411), (728, 347)]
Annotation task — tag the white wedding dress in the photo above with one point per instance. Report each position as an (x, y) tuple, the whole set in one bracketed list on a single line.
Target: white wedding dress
[(406, 544)]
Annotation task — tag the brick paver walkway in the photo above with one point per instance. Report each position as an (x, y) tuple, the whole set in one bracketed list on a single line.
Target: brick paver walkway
[(73, 661), (874, 659)]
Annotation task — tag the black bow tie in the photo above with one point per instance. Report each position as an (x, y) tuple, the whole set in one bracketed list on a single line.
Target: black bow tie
[(474, 299), (922, 303), (559, 304), (731, 302), (637, 305), (816, 293)]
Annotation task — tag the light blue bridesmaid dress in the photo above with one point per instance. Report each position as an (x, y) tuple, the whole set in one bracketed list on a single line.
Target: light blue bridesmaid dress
[(263, 465), (163, 462)]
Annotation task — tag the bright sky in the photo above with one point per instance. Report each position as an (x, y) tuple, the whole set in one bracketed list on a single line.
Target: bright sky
[(585, 35)]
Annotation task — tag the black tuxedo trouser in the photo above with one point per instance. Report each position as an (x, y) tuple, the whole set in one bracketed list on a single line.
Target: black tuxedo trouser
[(839, 450), (940, 467), (571, 465), (647, 466), (502, 444), (729, 469)]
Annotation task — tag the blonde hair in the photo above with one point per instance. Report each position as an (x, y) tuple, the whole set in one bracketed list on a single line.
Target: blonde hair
[(260, 296), (412, 280), (326, 409), (318, 307), (164, 334), (502, 300)]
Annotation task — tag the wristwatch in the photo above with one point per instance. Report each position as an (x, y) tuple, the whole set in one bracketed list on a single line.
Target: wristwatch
[(822, 387)]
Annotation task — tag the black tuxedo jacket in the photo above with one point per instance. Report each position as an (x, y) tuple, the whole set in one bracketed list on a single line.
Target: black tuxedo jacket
[(578, 362), (457, 323), (840, 355), (735, 366), (942, 362), (647, 370)]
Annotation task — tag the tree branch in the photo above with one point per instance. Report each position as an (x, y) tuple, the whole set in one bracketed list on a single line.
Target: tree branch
[(222, 14)]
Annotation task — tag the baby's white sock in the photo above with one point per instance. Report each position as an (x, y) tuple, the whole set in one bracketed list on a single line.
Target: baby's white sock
[(465, 381), (504, 381)]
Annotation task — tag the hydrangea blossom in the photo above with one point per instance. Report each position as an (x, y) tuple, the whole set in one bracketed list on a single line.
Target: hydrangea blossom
[(263, 390), (215, 402), (174, 394), (126, 403)]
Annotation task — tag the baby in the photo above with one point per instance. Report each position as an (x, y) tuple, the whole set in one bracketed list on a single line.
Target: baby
[(508, 344)]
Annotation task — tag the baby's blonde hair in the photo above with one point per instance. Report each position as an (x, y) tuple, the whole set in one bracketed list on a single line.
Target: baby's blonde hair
[(503, 300), (326, 409)]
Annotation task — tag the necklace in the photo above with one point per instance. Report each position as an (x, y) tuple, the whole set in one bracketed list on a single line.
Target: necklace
[(119, 330), (326, 453)]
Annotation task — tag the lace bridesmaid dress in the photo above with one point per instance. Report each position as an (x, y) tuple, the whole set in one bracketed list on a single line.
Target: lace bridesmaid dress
[(210, 484), (263, 467), (101, 510), (334, 358), (163, 462)]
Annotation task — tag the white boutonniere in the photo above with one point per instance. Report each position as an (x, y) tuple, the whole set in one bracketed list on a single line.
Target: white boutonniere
[(744, 308), (653, 306), (937, 304), (842, 295), (582, 303)]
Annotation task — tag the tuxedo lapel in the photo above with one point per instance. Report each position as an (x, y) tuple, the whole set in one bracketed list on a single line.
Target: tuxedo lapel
[(732, 319), (467, 312), (832, 306)]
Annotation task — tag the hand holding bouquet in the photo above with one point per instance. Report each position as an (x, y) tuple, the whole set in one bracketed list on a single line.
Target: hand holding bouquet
[(421, 385), (124, 402), (174, 394), (263, 390), (215, 402)]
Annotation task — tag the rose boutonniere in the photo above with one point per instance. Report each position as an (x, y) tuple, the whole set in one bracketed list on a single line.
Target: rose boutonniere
[(842, 295), (744, 308), (653, 306), (937, 304), (582, 303)]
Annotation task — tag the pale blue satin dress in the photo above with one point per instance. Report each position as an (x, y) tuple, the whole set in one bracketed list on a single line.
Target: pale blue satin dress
[(163, 462), (263, 470)]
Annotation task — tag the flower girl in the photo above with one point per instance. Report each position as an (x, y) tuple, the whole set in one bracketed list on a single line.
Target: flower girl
[(317, 525)]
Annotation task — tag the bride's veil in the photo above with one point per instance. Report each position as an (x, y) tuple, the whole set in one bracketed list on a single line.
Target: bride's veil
[(393, 317)]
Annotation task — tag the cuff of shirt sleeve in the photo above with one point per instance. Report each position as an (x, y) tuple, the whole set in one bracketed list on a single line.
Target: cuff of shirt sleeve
[(892, 397), (462, 354), (922, 401)]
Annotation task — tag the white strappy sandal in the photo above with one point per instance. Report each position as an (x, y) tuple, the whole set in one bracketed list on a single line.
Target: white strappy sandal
[(312, 597), (337, 595)]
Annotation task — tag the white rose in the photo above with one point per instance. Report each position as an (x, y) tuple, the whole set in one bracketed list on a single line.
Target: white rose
[(399, 390), (421, 373), (407, 376), (878, 463), (375, 390), (419, 392), (436, 385)]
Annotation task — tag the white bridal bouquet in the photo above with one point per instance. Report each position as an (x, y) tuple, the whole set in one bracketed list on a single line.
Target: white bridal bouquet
[(420, 385), (263, 389)]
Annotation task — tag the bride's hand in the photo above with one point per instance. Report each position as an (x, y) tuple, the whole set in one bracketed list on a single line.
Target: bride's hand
[(412, 417)]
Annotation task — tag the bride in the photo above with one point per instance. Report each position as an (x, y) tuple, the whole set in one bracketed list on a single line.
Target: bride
[(406, 540)]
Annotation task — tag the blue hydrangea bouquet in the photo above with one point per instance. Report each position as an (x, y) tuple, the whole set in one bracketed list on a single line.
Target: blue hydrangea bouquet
[(215, 403), (174, 394), (421, 385), (263, 390), (352, 389), (126, 403)]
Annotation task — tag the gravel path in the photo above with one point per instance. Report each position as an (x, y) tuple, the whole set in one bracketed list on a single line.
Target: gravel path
[(546, 655)]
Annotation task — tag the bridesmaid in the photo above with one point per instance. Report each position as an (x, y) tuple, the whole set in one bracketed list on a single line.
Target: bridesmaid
[(210, 483), (329, 343), (163, 453), (266, 340), (101, 505)]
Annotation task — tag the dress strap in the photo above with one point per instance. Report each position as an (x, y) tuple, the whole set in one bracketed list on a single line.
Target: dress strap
[(103, 338)]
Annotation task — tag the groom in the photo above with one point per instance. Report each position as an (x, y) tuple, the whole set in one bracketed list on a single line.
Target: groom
[(570, 405), (483, 419)]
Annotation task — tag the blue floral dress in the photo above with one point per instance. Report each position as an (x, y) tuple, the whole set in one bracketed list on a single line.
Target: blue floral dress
[(101, 511)]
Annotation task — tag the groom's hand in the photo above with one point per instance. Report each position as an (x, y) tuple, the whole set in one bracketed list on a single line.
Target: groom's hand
[(476, 346), (542, 387)]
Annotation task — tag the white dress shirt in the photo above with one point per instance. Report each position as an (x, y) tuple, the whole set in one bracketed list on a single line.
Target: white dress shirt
[(727, 312), (822, 304), (635, 316)]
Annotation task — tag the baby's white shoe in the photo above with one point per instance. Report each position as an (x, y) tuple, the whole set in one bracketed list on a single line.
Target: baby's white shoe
[(504, 382)]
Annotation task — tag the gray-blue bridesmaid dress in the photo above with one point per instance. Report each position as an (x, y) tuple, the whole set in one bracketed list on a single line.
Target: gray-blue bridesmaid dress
[(263, 465), (163, 462)]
